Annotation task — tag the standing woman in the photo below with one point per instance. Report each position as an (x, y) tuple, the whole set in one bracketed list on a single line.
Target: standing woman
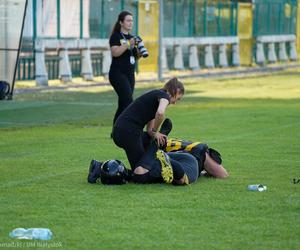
[(147, 110), (124, 54)]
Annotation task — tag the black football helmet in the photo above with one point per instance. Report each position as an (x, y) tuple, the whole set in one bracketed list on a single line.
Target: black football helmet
[(114, 172)]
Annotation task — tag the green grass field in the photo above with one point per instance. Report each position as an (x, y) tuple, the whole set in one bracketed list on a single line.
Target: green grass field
[(47, 139)]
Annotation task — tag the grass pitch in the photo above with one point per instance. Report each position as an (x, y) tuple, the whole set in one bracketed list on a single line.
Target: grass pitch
[(47, 139)]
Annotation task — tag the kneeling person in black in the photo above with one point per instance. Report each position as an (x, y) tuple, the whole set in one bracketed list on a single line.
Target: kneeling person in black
[(147, 110)]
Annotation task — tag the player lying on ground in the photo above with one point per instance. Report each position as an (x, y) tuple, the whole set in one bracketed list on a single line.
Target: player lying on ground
[(183, 164), (186, 159), (155, 166), (209, 160)]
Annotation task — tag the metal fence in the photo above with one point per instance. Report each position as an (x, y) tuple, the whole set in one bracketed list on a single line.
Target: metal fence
[(52, 65), (186, 18), (274, 17), (97, 64), (75, 62), (182, 18), (25, 70), (103, 15), (26, 65)]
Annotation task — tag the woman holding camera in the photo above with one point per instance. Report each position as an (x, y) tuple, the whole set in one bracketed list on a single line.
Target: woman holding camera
[(124, 55)]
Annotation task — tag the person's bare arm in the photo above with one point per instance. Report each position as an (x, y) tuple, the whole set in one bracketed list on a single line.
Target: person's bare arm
[(160, 113), (214, 169), (153, 125), (116, 51)]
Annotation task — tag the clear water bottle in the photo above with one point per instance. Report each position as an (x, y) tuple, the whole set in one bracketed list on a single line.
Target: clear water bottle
[(257, 187), (31, 233)]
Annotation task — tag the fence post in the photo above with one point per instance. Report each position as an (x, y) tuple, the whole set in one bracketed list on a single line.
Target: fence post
[(86, 65), (164, 61), (193, 57), (58, 18), (260, 55), (178, 60), (65, 73), (282, 52), (271, 53), (34, 13), (106, 61), (209, 58), (41, 75), (246, 27), (223, 56), (293, 51), (236, 55), (81, 19), (162, 55)]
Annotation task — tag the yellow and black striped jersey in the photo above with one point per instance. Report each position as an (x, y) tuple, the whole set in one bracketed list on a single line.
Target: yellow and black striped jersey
[(174, 145)]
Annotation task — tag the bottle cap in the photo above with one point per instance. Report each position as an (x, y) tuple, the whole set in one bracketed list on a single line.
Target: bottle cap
[(260, 188)]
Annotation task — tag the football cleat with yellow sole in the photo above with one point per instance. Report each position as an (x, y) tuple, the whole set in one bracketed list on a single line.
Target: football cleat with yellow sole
[(166, 168)]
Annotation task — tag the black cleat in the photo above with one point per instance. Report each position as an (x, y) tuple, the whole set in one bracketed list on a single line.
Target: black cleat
[(166, 127), (94, 171), (166, 167)]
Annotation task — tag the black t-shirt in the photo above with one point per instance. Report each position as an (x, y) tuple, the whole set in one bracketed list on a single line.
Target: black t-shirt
[(141, 111), (122, 62)]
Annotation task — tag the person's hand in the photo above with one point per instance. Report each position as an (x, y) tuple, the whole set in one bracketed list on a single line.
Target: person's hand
[(160, 138), (132, 42), (183, 181)]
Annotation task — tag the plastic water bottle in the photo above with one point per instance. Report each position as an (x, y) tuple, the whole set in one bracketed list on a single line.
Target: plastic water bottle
[(31, 233), (257, 187)]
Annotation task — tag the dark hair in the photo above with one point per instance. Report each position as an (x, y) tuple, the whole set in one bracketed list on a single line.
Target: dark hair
[(173, 85), (121, 17)]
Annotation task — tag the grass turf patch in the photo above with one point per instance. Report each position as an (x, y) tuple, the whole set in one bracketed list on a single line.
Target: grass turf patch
[(49, 137)]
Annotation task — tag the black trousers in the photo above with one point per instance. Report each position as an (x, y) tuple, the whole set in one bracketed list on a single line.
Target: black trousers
[(133, 141), (150, 162), (123, 84)]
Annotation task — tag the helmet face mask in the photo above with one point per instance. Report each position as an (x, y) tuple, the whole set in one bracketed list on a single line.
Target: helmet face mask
[(113, 172)]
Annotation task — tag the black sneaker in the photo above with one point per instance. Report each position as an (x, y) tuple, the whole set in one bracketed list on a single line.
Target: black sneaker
[(166, 127), (94, 171)]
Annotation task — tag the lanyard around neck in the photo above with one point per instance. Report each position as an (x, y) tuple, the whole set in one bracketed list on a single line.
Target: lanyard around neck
[(123, 35), (126, 40)]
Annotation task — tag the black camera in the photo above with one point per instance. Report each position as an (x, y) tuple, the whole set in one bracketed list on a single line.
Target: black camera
[(141, 47)]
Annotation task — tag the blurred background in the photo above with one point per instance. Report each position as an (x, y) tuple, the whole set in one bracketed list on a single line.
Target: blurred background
[(63, 39)]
